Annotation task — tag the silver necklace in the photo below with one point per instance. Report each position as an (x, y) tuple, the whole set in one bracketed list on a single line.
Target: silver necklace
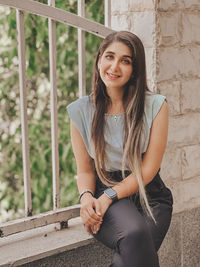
[(115, 118)]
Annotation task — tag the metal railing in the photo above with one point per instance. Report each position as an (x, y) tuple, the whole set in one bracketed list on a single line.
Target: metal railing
[(82, 24)]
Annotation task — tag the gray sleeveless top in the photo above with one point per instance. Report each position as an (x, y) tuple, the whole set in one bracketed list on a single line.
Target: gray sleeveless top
[(81, 113)]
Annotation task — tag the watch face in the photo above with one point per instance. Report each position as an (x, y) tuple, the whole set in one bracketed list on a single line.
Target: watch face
[(111, 193)]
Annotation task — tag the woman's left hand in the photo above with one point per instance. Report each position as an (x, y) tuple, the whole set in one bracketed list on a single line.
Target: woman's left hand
[(104, 203)]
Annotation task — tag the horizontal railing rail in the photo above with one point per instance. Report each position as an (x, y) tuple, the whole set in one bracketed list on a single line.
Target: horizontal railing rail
[(59, 15), (59, 216)]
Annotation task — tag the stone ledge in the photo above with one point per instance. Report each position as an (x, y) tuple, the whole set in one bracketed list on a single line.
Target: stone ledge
[(42, 242)]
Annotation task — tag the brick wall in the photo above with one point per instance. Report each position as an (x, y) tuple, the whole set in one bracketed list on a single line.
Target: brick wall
[(170, 31)]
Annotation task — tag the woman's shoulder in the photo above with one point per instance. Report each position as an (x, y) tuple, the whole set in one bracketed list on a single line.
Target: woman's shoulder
[(153, 103), (154, 97), (81, 104)]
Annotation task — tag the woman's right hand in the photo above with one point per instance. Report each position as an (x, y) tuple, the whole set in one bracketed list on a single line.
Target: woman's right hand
[(90, 213)]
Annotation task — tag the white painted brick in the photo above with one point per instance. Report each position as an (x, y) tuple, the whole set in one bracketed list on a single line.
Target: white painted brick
[(143, 25), (172, 91), (190, 95), (119, 6), (141, 5), (178, 4), (169, 4), (184, 130), (188, 61), (171, 164), (167, 63), (150, 55), (191, 3), (186, 194), (168, 23), (121, 22), (191, 28), (175, 63), (191, 161)]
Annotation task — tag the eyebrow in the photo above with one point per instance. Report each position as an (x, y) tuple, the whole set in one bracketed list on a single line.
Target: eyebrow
[(110, 52)]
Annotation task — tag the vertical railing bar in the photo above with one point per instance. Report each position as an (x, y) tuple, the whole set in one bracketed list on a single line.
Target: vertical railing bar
[(107, 13), (81, 52), (54, 117), (23, 110)]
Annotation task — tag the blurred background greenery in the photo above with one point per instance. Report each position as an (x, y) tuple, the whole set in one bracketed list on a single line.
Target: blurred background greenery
[(38, 96)]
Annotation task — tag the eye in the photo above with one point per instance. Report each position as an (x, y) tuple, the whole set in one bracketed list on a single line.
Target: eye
[(109, 57), (126, 61)]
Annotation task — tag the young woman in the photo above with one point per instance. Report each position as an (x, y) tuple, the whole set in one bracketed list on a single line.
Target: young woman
[(119, 135)]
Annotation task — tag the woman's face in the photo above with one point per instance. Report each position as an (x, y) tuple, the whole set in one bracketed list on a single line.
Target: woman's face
[(115, 65)]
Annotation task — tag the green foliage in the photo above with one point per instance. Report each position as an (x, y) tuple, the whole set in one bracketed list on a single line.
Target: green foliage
[(38, 98)]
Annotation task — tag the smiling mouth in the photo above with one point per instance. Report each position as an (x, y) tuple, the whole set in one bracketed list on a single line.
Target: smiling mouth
[(112, 76)]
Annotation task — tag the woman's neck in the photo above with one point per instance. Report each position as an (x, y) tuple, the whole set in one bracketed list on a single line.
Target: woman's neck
[(116, 105), (116, 95)]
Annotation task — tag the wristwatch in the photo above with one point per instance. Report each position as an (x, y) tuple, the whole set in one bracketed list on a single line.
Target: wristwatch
[(111, 193)]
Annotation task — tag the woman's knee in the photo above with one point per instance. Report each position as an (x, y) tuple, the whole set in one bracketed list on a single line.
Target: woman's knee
[(137, 234)]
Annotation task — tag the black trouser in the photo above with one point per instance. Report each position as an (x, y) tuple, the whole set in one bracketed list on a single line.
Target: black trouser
[(132, 234)]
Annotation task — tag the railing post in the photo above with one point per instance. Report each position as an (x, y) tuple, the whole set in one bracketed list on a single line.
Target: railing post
[(81, 52), (54, 117), (107, 13), (23, 110)]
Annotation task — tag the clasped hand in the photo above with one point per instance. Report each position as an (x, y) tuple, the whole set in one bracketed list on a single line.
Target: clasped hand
[(93, 210)]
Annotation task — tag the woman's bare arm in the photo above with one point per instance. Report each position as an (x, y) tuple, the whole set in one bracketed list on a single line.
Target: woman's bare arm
[(85, 170), (90, 209)]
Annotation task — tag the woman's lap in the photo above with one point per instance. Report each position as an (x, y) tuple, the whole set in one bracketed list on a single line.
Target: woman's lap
[(121, 217), (125, 230), (124, 217)]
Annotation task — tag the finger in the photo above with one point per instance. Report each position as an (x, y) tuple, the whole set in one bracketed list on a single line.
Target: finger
[(87, 228), (95, 228), (93, 214), (87, 219), (89, 210), (98, 208)]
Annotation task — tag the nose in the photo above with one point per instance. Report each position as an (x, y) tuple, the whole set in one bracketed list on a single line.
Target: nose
[(114, 66)]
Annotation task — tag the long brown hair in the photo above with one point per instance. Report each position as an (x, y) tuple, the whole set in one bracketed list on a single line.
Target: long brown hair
[(133, 103)]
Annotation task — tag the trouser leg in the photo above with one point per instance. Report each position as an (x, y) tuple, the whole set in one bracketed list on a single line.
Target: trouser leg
[(163, 215), (126, 230)]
